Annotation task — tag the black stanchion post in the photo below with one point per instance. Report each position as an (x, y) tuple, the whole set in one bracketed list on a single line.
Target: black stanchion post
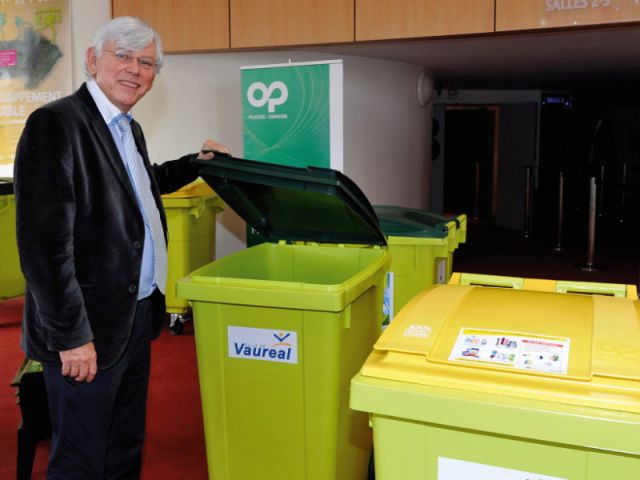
[(623, 192), (589, 265), (527, 202), (476, 194), (601, 192), (558, 247)]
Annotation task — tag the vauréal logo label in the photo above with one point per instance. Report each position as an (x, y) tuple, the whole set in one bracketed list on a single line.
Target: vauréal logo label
[(263, 344), (259, 95)]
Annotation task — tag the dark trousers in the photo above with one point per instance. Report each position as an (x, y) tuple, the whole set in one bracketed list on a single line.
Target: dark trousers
[(98, 427)]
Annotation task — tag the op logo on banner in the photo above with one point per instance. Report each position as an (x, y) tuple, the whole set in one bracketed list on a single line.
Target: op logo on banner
[(265, 95), (292, 114), (35, 65)]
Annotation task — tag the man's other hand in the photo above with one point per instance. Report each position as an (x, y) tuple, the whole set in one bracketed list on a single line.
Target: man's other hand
[(80, 363)]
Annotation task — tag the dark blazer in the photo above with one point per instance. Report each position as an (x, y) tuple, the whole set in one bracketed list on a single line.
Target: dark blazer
[(80, 231)]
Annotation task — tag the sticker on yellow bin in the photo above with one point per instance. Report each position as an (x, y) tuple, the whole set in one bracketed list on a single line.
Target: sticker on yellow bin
[(452, 469), (523, 351), (263, 344)]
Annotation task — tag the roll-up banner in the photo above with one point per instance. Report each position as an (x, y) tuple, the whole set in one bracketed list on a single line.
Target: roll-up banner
[(292, 114)]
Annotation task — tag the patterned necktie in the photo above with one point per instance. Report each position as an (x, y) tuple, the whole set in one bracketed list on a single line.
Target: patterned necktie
[(142, 185)]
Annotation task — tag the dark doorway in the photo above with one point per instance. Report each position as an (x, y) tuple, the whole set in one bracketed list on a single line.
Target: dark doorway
[(470, 161)]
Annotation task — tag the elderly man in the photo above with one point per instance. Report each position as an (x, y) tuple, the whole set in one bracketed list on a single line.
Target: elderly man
[(92, 240)]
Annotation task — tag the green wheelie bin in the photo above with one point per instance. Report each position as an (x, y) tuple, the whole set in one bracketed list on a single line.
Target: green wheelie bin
[(419, 257), (281, 327), (455, 225), (12, 282)]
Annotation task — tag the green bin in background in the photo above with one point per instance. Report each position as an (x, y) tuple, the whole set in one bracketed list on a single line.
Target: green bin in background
[(11, 279), (419, 258), (434, 219), (281, 327), (191, 220), (456, 226), (422, 246)]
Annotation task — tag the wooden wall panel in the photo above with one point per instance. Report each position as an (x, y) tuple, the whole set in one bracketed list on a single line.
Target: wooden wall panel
[(532, 14), (389, 19), (257, 23), (186, 25)]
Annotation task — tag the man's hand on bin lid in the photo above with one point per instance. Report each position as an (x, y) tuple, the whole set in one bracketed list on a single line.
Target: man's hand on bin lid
[(210, 148)]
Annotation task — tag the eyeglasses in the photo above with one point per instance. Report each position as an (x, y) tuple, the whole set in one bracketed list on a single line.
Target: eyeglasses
[(126, 59)]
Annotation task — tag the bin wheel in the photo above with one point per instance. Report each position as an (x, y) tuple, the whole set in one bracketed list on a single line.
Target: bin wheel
[(177, 327), (177, 321)]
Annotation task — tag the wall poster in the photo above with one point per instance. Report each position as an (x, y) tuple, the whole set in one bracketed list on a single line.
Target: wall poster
[(35, 65)]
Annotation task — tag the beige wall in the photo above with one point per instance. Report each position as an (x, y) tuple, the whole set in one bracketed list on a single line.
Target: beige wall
[(386, 133)]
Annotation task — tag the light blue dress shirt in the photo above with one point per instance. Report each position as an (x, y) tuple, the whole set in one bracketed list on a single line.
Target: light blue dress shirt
[(110, 113)]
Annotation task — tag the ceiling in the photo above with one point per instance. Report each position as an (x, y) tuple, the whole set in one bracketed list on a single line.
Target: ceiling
[(576, 59)]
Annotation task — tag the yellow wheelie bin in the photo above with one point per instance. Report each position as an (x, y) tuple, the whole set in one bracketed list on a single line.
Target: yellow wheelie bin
[(12, 282), (281, 327), (191, 220), (500, 377)]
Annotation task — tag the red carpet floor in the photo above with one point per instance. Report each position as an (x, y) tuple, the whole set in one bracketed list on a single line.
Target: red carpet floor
[(175, 440)]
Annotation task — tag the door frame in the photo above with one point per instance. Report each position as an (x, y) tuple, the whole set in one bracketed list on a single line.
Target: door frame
[(495, 109)]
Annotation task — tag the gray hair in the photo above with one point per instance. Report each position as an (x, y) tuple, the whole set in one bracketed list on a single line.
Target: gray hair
[(127, 33)]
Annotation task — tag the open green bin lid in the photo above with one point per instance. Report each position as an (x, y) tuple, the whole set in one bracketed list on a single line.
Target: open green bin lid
[(294, 204)]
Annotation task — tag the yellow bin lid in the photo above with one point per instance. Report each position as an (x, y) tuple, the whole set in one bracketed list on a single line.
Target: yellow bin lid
[(195, 195), (559, 347), (197, 188)]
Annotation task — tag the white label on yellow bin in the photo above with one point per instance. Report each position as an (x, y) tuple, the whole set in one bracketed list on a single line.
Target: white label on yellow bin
[(417, 331), (387, 303), (263, 344), (523, 351), (441, 271), (451, 469)]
